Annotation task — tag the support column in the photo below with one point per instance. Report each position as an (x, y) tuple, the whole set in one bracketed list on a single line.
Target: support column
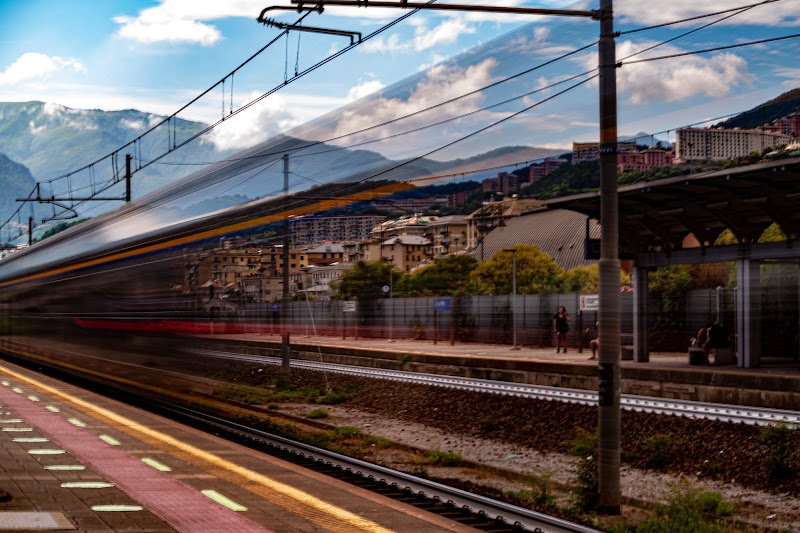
[(641, 351), (748, 313)]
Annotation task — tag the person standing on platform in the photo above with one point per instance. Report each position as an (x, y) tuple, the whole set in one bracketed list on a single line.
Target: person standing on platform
[(561, 327)]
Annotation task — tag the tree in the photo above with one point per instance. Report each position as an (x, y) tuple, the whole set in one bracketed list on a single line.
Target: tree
[(537, 273), (365, 279), (585, 278), (443, 277)]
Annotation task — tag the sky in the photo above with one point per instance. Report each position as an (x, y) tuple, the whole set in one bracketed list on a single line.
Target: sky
[(157, 55)]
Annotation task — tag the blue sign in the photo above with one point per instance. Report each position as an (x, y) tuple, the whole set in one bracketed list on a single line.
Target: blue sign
[(276, 308), (441, 304), (385, 289)]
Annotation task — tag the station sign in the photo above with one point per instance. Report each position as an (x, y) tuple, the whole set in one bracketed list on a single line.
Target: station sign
[(349, 306), (275, 308), (441, 304), (589, 302)]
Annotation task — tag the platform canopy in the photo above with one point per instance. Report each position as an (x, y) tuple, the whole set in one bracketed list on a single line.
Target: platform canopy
[(656, 216)]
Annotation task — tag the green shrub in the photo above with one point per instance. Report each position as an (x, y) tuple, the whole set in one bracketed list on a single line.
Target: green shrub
[(584, 447), (420, 471), (778, 465), (689, 510), (405, 358), (334, 397), (318, 413), (272, 405), (347, 431), (660, 450), (379, 442), (539, 492), (438, 457)]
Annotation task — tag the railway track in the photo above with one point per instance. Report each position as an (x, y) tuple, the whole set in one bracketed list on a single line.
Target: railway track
[(464, 507), (645, 404)]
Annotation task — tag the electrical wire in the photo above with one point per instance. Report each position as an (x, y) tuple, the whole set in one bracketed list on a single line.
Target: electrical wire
[(698, 17)]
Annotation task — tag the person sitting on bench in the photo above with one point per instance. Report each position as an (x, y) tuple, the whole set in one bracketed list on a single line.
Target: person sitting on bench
[(717, 338)]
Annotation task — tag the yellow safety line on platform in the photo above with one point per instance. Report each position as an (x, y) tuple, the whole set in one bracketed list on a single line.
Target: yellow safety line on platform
[(349, 520)]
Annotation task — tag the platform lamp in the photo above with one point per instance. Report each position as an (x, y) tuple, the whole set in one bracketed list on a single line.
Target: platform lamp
[(513, 253)]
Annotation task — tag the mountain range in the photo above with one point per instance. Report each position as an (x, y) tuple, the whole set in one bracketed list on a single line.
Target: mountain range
[(40, 141)]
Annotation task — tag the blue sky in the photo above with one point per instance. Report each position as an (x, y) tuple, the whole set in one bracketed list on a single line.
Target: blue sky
[(156, 55)]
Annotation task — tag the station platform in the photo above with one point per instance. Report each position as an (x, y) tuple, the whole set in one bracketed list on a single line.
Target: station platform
[(75, 460), (776, 384)]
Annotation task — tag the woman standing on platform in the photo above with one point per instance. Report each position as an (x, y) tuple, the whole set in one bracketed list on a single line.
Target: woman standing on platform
[(561, 327)]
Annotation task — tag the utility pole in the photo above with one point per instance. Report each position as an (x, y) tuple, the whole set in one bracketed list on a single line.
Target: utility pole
[(285, 299), (609, 312), (127, 178), (30, 231), (513, 253)]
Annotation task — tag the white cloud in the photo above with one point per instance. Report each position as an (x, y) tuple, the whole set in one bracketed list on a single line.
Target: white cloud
[(445, 33), (36, 129), (380, 45), (184, 20), (439, 84), (132, 124), (265, 119), (364, 89), (674, 79), (773, 14), (32, 66), (791, 74)]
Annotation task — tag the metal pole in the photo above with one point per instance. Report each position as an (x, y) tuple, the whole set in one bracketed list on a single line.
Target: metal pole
[(127, 177), (391, 301), (30, 231), (609, 313), (285, 299), (514, 299)]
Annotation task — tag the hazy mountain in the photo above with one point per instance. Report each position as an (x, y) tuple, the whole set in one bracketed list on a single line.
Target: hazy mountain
[(51, 139), (16, 181), (785, 104)]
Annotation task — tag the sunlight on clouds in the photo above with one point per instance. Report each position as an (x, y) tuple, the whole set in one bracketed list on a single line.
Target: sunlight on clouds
[(774, 14), (183, 20), (674, 79), (33, 65), (364, 89), (265, 119), (175, 30), (439, 84), (445, 33)]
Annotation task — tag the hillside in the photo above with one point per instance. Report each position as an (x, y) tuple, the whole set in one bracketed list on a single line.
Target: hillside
[(16, 181), (785, 104)]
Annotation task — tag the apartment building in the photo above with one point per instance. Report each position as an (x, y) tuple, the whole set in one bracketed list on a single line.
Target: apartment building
[(312, 230), (448, 234), (590, 151), (405, 251), (719, 144)]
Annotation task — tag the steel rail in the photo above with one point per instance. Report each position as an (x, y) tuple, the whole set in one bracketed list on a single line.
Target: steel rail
[(493, 510), (644, 404)]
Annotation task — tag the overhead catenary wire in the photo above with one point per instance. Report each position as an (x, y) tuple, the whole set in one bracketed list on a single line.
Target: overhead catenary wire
[(738, 10), (697, 17)]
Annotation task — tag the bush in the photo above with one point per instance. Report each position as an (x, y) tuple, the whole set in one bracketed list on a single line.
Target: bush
[(538, 493), (318, 413), (778, 466), (688, 510), (584, 447), (438, 457), (660, 450), (333, 397)]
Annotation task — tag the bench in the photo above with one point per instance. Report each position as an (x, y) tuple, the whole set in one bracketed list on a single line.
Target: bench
[(696, 356), (721, 356)]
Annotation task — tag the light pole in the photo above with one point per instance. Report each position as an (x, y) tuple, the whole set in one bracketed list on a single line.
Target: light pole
[(513, 253)]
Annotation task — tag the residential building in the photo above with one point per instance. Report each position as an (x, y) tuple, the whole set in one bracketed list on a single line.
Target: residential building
[(539, 170), (317, 279), (590, 151), (494, 214), (637, 161), (228, 267), (504, 183), (719, 144), (449, 235), (406, 225), (311, 230), (457, 199), (406, 251), (325, 254)]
